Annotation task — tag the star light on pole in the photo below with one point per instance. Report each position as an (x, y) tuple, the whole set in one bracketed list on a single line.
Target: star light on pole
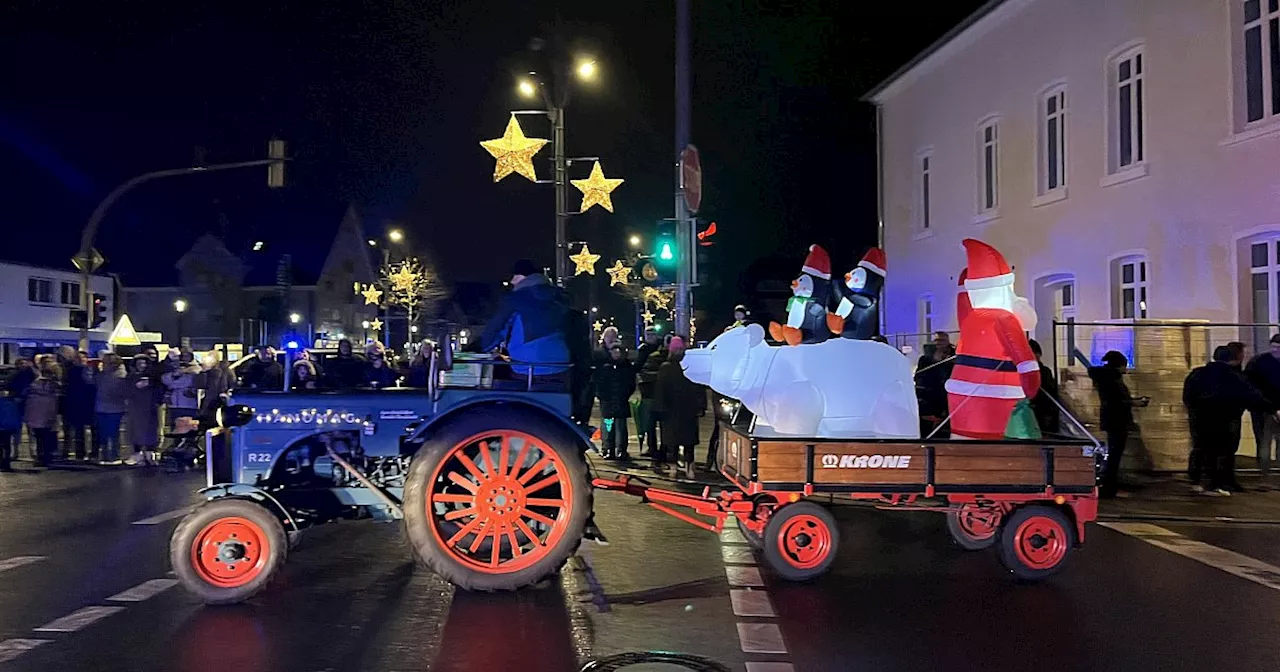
[(372, 295), (647, 316), (584, 261), (376, 324), (514, 152), (598, 326), (618, 273), (596, 189)]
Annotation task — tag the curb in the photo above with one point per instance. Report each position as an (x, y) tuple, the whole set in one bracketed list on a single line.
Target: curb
[(1169, 518)]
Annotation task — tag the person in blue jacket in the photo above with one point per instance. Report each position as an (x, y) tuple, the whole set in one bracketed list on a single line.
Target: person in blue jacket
[(10, 425), (530, 323)]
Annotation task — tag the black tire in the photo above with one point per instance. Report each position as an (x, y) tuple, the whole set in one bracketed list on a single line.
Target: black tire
[(965, 538), (273, 549), (1035, 542), (785, 547), (753, 540), (419, 522)]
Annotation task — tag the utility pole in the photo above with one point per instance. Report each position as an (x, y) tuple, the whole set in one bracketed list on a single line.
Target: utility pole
[(683, 114), (562, 194)]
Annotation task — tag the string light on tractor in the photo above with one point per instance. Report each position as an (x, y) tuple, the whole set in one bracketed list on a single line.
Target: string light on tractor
[(584, 261), (596, 189), (514, 152), (372, 295), (618, 274)]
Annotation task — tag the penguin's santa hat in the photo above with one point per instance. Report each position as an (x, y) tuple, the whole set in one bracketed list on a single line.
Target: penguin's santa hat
[(987, 267), (817, 264), (874, 261)]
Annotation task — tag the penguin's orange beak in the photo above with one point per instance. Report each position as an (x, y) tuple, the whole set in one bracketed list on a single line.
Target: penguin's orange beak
[(795, 284), (848, 277)]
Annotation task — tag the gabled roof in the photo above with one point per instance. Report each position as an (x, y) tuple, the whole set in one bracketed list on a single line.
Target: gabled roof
[(978, 15)]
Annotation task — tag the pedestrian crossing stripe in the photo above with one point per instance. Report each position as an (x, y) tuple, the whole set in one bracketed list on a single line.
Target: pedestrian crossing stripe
[(1230, 562), (19, 561)]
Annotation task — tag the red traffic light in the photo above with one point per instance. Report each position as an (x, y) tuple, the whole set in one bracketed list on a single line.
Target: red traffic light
[(704, 235)]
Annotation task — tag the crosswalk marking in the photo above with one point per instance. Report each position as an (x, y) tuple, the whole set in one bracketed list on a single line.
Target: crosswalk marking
[(167, 515), (1230, 562), (760, 638), (770, 667), (79, 619), (744, 576), (737, 555), (752, 603), (144, 591), (12, 648), (19, 561)]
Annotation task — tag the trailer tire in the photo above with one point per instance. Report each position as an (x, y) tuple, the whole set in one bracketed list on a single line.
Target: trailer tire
[(754, 540), (1035, 542), (496, 502), (973, 528), (228, 550), (800, 541)]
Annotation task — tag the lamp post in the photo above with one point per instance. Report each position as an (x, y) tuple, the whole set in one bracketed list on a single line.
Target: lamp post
[(365, 326), (180, 307)]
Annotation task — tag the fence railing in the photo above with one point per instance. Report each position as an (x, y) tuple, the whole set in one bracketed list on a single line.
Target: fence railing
[(914, 344), (1174, 344)]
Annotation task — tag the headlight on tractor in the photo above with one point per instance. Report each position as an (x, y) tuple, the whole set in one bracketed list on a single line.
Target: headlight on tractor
[(233, 416)]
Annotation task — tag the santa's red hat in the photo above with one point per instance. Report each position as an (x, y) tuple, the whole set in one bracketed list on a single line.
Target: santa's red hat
[(873, 261), (987, 267), (817, 263)]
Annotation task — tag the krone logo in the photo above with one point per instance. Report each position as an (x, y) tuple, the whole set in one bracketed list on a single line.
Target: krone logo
[(866, 461)]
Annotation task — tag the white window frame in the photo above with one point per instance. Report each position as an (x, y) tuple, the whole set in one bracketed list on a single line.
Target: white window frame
[(1045, 192), (1133, 54), (922, 191), (988, 180), (926, 317), (1271, 271), (1139, 283), (48, 283), (1240, 68), (74, 287)]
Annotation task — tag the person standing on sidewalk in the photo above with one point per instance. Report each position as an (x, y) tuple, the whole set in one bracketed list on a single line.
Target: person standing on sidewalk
[(1216, 396), (110, 406), (10, 426), (1115, 416), (1263, 372), (41, 410), (614, 382), (181, 393), (77, 403), (680, 403), (649, 359), (1043, 404), (143, 414)]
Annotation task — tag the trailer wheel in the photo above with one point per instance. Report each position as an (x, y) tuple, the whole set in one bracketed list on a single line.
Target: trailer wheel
[(800, 541), (228, 550), (1035, 542), (497, 499), (972, 527)]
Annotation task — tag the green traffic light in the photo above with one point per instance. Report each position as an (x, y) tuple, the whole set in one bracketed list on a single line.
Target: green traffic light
[(666, 254)]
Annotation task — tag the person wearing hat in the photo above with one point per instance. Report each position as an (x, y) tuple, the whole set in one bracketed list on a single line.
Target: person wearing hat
[(530, 323), (680, 402), (1115, 415), (740, 315), (1216, 395)]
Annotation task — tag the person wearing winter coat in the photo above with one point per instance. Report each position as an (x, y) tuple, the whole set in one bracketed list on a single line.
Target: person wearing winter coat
[(10, 426), (181, 393), (680, 402), (614, 382), (41, 410), (143, 414), (379, 372), (346, 371), (530, 323), (110, 406), (304, 376), (77, 402), (264, 373), (1216, 396), (215, 381), (1115, 416), (649, 358)]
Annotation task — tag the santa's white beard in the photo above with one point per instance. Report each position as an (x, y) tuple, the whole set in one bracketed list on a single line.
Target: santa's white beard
[(1025, 313)]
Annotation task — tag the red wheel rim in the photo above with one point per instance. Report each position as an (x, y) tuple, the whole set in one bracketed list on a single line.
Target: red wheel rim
[(977, 523), (805, 541), (503, 487), (1040, 542), (230, 552)]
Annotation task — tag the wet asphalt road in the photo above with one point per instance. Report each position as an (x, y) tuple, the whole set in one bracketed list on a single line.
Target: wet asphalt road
[(901, 597)]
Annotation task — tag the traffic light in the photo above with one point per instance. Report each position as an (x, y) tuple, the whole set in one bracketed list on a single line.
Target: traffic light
[(666, 248), (78, 319), (99, 311)]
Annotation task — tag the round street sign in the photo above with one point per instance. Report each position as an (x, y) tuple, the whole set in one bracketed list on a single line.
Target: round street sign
[(691, 177)]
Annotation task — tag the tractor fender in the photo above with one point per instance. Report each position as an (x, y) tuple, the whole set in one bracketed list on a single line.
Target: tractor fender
[(252, 494), (497, 401)]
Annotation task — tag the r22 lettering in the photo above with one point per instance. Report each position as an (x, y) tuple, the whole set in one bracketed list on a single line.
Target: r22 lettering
[(258, 458)]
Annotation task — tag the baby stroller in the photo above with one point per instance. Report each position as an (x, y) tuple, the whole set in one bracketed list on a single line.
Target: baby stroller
[(186, 453)]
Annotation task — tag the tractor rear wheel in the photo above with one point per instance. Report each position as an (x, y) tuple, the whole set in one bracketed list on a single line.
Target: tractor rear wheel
[(497, 499)]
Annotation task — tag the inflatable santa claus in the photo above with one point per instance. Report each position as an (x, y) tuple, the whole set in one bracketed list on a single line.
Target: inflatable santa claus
[(995, 367)]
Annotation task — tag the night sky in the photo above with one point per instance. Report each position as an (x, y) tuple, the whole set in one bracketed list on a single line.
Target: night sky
[(383, 104)]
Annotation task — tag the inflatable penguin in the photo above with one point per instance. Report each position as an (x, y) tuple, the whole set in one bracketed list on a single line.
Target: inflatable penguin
[(857, 313), (807, 307)]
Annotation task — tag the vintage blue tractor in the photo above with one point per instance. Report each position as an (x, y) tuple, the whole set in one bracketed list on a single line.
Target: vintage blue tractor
[(485, 468)]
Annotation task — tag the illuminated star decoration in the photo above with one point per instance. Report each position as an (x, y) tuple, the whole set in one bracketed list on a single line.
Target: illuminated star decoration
[(404, 279), (598, 326), (584, 261), (376, 324), (693, 327), (662, 300), (647, 316), (596, 189), (618, 273), (372, 295), (514, 152)]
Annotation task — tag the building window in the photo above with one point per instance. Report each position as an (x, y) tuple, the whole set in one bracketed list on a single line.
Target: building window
[(39, 290), (1127, 102), (925, 315), (1263, 258), (988, 167), (1129, 298), (924, 194), (1053, 141), (1261, 47), (70, 293)]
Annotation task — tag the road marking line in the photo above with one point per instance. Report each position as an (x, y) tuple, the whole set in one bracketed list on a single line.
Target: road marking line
[(79, 619), (738, 555), (168, 515), (744, 576), (752, 603), (19, 561), (760, 638), (770, 667), (730, 534), (12, 648), (144, 591), (1230, 562)]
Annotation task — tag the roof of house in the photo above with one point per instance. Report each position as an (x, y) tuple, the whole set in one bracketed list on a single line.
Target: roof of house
[(919, 58)]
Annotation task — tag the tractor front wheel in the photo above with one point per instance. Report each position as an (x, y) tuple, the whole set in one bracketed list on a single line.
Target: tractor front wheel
[(228, 550)]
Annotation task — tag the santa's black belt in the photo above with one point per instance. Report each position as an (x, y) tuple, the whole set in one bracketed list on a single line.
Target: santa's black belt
[(986, 363)]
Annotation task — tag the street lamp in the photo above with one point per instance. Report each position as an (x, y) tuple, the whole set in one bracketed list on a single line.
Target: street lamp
[(635, 241), (365, 325), (587, 70), (395, 235), (373, 243), (594, 309), (294, 318), (180, 306), (526, 88)]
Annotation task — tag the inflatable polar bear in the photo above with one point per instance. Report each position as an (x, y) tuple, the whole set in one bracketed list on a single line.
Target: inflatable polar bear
[(840, 388)]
